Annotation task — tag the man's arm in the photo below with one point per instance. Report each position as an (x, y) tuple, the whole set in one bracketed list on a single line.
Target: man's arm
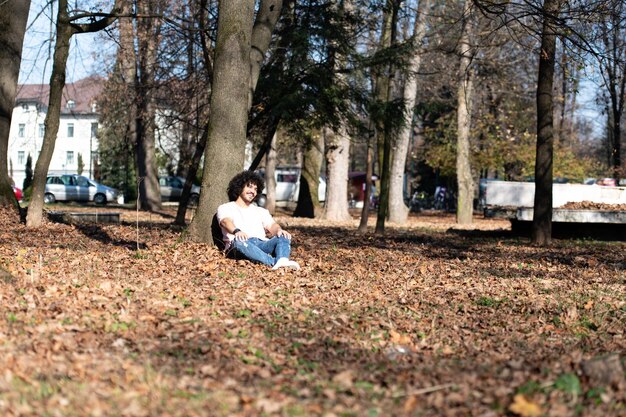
[(227, 223), (276, 230)]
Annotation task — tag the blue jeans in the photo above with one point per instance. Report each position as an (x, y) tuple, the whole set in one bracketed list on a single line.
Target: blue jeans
[(258, 250)]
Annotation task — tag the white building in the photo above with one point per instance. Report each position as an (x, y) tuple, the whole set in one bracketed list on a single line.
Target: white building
[(78, 128)]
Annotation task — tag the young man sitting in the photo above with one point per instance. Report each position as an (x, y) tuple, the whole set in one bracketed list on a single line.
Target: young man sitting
[(245, 226)]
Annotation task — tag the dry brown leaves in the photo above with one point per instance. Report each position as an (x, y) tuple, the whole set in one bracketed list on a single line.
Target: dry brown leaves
[(591, 205), (428, 320)]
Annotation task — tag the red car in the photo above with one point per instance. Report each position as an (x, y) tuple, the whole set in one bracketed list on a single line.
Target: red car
[(18, 193)]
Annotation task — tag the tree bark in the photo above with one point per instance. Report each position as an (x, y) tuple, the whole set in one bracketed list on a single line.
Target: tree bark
[(224, 154), (398, 211), (337, 141), (264, 24), (465, 206), (337, 166), (369, 172), (308, 197), (614, 72), (383, 93), (541, 232), (51, 122), (270, 177), (147, 34), (13, 18)]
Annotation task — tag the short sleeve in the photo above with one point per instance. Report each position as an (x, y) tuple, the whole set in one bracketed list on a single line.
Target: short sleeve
[(266, 218), (224, 211)]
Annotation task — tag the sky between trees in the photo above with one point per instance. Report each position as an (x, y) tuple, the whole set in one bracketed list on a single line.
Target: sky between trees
[(90, 51)]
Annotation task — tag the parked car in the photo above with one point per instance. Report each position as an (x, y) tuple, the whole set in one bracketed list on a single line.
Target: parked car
[(18, 193), (172, 189), (288, 186), (71, 187)]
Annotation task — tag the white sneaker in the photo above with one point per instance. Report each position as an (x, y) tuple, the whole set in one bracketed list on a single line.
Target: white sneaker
[(286, 263)]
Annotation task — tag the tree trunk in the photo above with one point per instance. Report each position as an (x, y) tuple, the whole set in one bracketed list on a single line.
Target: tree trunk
[(224, 155), (270, 177), (398, 211), (369, 172), (383, 94), (614, 73), (51, 122), (264, 24), (541, 233), (465, 206), (337, 167), (148, 35), (13, 18), (308, 197)]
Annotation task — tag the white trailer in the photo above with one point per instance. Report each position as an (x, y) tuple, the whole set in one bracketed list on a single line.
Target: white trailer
[(515, 201)]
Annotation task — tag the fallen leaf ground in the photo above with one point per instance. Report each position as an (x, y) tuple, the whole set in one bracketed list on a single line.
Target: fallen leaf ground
[(429, 320)]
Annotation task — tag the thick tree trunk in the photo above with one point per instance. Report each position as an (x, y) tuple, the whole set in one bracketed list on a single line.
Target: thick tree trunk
[(224, 155), (398, 211), (148, 35), (149, 194), (13, 18), (337, 141), (337, 167), (465, 184), (541, 232)]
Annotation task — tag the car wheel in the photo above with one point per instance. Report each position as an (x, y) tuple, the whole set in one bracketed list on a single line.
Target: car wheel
[(261, 200), (194, 199), (100, 199), (49, 198)]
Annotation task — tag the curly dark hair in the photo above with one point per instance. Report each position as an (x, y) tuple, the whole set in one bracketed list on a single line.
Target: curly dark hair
[(235, 186)]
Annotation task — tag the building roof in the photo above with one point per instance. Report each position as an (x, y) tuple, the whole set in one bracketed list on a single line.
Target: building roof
[(83, 93)]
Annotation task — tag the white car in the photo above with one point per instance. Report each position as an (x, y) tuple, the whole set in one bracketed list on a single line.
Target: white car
[(288, 186), (77, 188)]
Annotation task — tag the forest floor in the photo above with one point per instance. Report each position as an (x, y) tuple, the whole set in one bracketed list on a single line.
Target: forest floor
[(430, 319)]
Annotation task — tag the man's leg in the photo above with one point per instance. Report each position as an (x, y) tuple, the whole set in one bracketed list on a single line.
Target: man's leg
[(251, 249), (279, 246)]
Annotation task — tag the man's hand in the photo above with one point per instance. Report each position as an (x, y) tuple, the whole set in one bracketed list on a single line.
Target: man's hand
[(282, 233), (242, 236)]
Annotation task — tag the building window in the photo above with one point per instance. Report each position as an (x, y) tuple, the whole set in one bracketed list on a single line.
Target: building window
[(21, 160), (70, 130), (42, 130), (70, 104), (21, 130), (24, 106), (94, 130), (69, 159)]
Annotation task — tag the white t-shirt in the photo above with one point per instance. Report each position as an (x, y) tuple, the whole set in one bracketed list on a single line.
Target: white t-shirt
[(252, 220)]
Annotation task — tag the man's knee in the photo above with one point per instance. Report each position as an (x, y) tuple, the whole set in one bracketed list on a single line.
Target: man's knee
[(283, 239), (240, 244)]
